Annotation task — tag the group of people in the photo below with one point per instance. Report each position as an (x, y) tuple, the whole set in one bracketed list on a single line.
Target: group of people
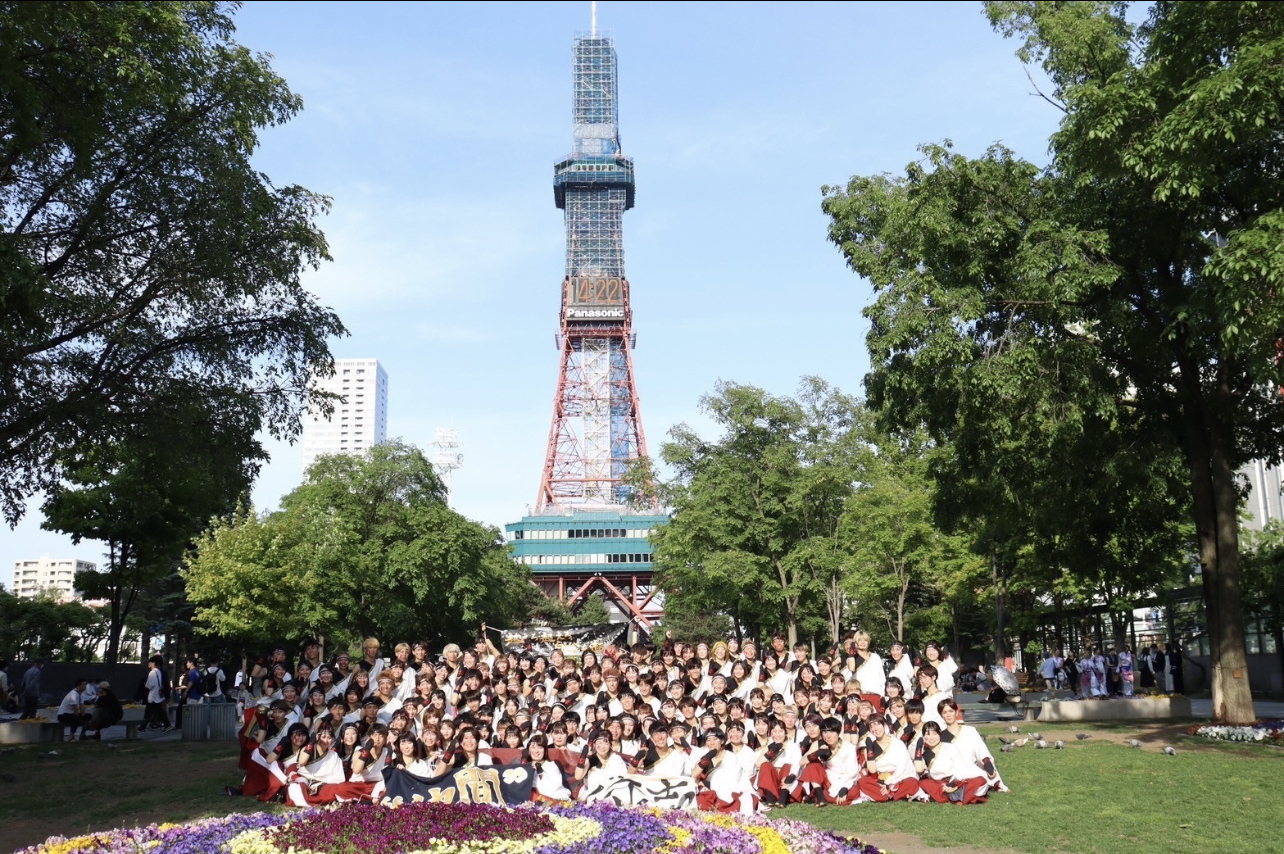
[(88, 709), (752, 728), (1099, 674)]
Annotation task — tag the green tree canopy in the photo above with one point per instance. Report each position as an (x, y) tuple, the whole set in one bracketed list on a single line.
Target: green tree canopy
[(756, 512), (146, 495), (365, 546), (1120, 303), (142, 257)]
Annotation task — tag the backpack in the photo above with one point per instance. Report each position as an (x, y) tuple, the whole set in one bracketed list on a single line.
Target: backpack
[(210, 679)]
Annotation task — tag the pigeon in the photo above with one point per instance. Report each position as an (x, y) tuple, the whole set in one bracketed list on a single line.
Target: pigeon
[(1020, 742), (1082, 736), (1132, 742), (1005, 739), (1014, 729), (1040, 744), (1060, 745), (1036, 735), (1007, 748), (1169, 751)]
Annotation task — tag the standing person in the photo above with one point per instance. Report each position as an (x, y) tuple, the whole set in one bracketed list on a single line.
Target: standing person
[(1126, 674), (193, 683), (1048, 672), (1176, 680), (155, 716), (31, 689), (1145, 665), (944, 666), (6, 698), (869, 667), (902, 666), (1159, 664), (72, 711), (214, 679)]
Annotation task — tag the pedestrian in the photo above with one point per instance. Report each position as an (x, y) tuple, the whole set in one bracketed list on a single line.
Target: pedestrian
[(155, 716), (31, 689), (214, 679)]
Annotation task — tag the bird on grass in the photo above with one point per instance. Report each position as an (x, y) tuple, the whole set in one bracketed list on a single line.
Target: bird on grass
[(1036, 735), (1060, 745), (1131, 742), (1169, 751), (1082, 736), (1014, 729), (1020, 742), (1040, 744), (1007, 748), (1005, 739)]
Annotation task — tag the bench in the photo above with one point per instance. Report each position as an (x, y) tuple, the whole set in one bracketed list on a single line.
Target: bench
[(55, 731), (1029, 712)]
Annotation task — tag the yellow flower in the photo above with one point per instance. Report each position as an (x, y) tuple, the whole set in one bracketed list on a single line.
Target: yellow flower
[(770, 839), (681, 836)]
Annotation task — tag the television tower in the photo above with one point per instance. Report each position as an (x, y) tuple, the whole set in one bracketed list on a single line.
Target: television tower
[(597, 425), (588, 534)]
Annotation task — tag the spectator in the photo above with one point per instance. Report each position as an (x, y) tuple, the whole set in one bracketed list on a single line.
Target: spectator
[(72, 711), (31, 689)]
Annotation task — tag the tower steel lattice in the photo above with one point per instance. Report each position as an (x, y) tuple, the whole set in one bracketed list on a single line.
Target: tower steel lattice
[(597, 424)]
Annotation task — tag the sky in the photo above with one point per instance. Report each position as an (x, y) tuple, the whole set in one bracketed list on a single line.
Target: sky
[(434, 129)]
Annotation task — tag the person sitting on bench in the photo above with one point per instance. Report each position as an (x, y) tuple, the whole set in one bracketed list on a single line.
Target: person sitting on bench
[(72, 711)]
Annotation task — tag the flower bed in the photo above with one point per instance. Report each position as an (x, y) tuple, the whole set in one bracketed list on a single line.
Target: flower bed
[(1262, 732), (434, 828)]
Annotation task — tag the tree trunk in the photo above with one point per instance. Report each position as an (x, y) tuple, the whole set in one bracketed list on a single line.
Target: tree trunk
[(1216, 505), (998, 606), (958, 644)]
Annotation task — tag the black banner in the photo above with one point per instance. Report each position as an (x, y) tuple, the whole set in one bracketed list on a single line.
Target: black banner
[(572, 640), (509, 784)]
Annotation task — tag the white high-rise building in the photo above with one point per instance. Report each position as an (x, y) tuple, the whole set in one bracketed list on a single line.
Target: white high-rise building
[(360, 418), (33, 577)]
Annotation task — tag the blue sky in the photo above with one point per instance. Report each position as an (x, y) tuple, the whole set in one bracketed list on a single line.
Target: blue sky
[(434, 128)]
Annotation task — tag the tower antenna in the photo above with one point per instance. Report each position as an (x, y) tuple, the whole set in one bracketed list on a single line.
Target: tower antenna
[(593, 7)]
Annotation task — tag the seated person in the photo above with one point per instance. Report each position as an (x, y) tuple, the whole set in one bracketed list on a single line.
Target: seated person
[(72, 710), (106, 711)]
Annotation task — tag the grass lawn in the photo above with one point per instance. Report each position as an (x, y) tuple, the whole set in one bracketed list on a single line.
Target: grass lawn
[(91, 786), (1095, 796), (1098, 797)]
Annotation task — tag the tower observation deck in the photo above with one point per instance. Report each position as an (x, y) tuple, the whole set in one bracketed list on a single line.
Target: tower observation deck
[(587, 532)]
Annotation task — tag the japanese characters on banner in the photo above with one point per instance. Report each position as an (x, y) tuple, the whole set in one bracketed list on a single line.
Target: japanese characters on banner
[(509, 784), (634, 790), (574, 641)]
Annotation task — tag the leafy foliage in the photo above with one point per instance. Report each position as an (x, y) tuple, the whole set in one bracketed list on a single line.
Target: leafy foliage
[(142, 257), (365, 546), (1100, 334)]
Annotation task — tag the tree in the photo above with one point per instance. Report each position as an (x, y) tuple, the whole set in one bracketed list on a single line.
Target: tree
[(592, 613), (365, 546), (888, 523), (45, 627), (1127, 295), (755, 514), (142, 256), (147, 495)]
